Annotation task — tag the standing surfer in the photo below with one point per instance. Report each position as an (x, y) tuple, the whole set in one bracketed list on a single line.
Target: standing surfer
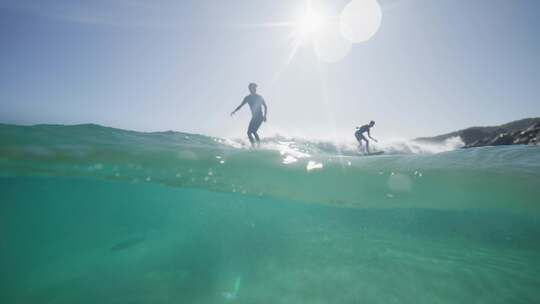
[(359, 134), (255, 102)]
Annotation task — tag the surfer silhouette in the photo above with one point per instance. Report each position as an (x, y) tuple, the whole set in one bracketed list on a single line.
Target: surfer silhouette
[(359, 134), (255, 102)]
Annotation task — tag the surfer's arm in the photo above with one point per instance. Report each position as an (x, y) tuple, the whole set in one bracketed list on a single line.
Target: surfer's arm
[(369, 135), (265, 109), (239, 107)]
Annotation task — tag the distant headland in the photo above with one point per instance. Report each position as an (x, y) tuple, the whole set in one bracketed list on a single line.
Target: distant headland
[(520, 132)]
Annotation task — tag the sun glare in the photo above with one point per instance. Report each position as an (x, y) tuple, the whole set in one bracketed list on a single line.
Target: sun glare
[(310, 23), (330, 35)]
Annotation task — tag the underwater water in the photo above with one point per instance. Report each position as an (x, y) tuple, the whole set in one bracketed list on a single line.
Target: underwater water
[(90, 214)]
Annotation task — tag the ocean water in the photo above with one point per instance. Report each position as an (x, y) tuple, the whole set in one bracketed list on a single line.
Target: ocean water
[(90, 214)]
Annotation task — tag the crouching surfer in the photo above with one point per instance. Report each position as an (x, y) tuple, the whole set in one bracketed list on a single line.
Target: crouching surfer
[(359, 134)]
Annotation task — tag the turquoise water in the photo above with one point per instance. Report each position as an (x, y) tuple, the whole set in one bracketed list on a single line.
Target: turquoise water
[(99, 215)]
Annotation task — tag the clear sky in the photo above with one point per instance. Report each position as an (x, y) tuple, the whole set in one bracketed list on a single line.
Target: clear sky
[(432, 66)]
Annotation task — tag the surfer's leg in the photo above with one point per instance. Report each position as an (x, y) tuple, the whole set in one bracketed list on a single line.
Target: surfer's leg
[(367, 146), (358, 136), (250, 138), (254, 125), (362, 138), (252, 130), (257, 139), (359, 139)]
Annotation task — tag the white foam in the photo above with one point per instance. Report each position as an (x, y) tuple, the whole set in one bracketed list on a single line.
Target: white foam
[(312, 165), (289, 160), (399, 146), (304, 148)]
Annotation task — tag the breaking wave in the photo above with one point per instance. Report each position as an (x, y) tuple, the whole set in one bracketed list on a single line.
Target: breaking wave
[(409, 174)]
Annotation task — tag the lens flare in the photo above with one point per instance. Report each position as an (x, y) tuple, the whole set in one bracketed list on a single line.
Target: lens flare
[(360, 20), (311, 23)]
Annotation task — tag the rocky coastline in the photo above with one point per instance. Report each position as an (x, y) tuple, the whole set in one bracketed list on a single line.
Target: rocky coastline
[(520, 132)]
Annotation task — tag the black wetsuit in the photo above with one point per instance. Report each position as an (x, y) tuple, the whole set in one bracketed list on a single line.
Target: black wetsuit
[(255, 102), (359, 134)]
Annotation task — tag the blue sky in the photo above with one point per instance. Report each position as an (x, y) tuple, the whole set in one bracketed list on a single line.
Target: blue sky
[(432, 67)]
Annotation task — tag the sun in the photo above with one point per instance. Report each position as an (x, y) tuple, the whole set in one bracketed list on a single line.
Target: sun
[(310, 23), (331, 36)]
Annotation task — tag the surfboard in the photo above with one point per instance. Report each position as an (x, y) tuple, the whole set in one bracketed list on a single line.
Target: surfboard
[(372, 153)]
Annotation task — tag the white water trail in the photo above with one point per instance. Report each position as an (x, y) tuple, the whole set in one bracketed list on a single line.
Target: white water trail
[(294, 148)]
